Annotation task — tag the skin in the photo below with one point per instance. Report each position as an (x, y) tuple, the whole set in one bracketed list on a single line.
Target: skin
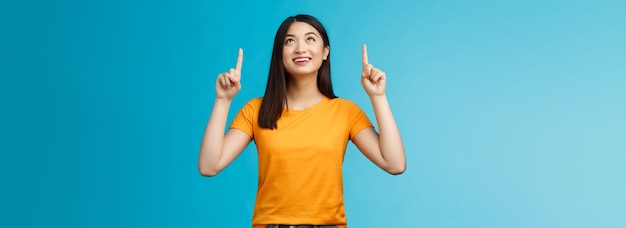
[(303, 40), (385, 149)]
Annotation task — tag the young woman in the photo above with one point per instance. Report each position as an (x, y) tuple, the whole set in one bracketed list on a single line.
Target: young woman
[(301, 130)]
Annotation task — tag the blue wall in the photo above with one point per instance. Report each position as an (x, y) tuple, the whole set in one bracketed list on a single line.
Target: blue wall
[(513, 113)]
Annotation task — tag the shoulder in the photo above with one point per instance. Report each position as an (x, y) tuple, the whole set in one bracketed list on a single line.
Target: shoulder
[(353, 114), (251, 107), (254, 103), (344, 103)]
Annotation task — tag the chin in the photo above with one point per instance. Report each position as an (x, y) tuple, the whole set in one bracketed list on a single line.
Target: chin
[(301, 72)]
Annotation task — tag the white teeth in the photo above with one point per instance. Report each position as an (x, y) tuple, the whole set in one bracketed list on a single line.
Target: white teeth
[(301, 59)]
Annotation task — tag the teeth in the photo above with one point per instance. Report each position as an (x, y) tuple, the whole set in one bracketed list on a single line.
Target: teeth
[(301, 59)]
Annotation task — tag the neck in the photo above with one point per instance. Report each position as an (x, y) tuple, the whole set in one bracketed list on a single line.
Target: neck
[(302, 92)]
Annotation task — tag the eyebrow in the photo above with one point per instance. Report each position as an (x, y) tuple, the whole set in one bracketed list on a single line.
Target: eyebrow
[(306, 34)]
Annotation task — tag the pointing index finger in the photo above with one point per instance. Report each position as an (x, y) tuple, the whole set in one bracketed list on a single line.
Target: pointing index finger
[(365, 61), (239, 60)]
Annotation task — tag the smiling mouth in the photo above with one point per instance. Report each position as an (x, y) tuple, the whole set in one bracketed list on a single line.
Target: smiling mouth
[(302, 60)]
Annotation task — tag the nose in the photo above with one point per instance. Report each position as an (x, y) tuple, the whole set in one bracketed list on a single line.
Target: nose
[(299, 49)]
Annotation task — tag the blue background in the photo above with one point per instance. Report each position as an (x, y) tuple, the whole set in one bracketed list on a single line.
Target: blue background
[(513, 113)]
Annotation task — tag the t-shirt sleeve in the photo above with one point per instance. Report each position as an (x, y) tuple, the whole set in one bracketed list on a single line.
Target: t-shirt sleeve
[(358, 120), (244, 120)]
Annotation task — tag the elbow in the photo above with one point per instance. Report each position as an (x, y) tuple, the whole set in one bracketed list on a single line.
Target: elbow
[(207, 172), (396, 170), (208, 169)]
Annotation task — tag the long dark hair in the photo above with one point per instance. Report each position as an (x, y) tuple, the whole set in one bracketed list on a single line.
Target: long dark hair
[(275, 98)]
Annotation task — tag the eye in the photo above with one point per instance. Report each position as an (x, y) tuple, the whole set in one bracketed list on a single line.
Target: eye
[(289, 41), (310, 39)]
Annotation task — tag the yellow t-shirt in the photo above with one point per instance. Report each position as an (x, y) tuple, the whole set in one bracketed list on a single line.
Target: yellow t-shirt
[(300, 175)]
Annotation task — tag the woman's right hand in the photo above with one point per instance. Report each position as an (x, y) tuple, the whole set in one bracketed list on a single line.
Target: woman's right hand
[(229, 83)]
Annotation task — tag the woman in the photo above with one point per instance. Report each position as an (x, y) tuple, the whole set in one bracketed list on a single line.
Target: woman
[(301, 130)]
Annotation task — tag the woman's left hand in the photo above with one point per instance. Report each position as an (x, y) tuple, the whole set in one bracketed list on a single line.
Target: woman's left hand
[(373, 79)]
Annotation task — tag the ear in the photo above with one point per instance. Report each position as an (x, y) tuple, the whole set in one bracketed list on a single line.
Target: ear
[(326, 52)]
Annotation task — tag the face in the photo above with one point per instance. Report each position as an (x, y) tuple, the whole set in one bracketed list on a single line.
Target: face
[(303, 50)]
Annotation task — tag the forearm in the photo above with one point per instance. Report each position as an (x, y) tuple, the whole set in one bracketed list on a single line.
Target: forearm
[(213, 139), (391, 146)]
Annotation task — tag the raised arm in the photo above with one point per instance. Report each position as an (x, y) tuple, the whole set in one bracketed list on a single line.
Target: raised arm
[(218, 149), (385, 149)]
